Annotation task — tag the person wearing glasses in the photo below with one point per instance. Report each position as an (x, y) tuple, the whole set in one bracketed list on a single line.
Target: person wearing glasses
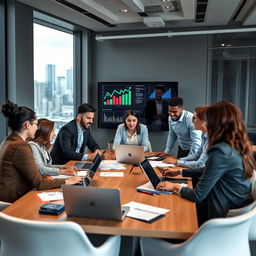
[(18, 171), (41, 145), (181, 128), (198, 159), (224, 183)]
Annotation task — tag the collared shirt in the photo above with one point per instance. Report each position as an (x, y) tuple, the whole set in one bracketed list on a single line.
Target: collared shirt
[(159, 110), (183, 130), (80, 140), (198, 159)]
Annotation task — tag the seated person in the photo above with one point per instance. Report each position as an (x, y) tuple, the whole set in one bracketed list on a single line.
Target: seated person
[(225, 181), (198, 159), (18, 171), (41, 145), (132, 132), (74, 137)]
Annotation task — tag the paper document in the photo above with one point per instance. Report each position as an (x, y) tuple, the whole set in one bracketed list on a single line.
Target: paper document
[(50, 196), (64, 177), (160, 164), (111, 165), (148, 187), (112, 174), (144, 212)]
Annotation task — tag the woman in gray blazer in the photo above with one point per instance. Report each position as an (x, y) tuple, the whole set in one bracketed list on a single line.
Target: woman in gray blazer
[(41, 145), (225, 181), (131, 132)]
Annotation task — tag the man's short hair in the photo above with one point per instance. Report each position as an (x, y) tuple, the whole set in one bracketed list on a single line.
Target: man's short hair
[(85, 108), (159, 87), (176, 101)]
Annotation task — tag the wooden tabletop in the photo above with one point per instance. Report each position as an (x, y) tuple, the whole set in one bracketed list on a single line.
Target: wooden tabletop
[(179, 223)]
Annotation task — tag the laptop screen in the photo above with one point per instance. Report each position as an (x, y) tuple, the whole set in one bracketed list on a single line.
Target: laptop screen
[(150, 173)]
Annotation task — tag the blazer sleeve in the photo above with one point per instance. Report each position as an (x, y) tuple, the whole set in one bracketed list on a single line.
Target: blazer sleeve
[(40, 161), (144, 138), (118, 135), (91, 143), (216, 166), (24, 163), (66, 142)]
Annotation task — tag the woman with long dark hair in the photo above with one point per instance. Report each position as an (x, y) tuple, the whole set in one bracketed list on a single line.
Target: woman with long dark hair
[(41, 145), (225, 181), (18, 172), (132, 132)]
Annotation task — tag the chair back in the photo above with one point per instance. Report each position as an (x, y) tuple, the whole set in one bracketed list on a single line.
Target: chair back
[(223, 236), (29, 238), (3, 205)]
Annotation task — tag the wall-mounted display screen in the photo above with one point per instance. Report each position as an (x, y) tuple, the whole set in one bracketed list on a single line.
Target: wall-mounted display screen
[(115, 98)]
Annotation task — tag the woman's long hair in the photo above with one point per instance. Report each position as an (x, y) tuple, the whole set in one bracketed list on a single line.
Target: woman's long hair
[(42, 135), (225, 124), (201, 112)]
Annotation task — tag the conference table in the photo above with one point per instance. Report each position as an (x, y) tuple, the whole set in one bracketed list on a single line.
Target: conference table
[(179, 223)]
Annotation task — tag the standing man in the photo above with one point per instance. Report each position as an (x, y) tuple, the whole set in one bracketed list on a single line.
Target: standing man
[(74, 137), (181, 127), (156, 111)]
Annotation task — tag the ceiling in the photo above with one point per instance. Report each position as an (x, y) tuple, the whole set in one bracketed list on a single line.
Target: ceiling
[(157, 15)]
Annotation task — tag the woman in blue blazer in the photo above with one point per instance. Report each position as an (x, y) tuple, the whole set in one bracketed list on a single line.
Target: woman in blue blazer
[(225, 181), (131, 132)]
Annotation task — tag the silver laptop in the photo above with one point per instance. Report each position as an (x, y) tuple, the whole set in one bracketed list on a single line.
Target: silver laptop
[(93, 202), (129, 154)]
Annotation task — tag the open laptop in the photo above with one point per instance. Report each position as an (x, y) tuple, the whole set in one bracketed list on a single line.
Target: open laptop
[(93, 202), (129, 154), (82, 165), (91, 172), (154, 179)]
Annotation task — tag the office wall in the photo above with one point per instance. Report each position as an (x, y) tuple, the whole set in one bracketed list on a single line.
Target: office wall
[(182, 59)]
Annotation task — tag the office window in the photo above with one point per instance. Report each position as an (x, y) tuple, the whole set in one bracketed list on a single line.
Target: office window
[(233, 72), (53, 75)]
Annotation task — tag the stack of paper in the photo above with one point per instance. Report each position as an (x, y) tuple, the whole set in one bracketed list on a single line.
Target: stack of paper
[(64, 177), (160, 164), (50, 196), (111, 165), (145, 212)]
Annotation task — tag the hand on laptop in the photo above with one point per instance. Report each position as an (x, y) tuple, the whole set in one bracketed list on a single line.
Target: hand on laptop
[(69, 170), (168, 172), (168, 186), (74, 180), (91, 155), (159, 154), (170, 160)]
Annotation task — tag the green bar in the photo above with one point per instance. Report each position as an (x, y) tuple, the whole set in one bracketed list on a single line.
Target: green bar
[(105, 103), (129, 98), (110, 102), (126, 99), (123, 103)]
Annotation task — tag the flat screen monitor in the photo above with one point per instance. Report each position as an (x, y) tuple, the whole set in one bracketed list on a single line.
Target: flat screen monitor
[(116, 98)]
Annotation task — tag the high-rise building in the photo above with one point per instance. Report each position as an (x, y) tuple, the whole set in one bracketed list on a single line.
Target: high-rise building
[(70, 79), (50, 81)]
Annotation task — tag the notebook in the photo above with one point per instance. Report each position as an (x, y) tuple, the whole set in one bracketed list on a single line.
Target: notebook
[(129, 154), (81, 165), (154, 179), (93, 202)]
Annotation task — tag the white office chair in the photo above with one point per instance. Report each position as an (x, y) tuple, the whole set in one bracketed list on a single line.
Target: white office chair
[(3, 205), (223, 236), (149, 147), (29, 238)]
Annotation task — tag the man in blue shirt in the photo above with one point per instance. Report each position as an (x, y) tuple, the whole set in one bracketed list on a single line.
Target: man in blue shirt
[(74, 137), (181, 128)]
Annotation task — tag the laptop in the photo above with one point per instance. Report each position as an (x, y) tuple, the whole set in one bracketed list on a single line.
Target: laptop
[(154, 179), (93, 202), (82, 165), (91, 172), (129, 154)]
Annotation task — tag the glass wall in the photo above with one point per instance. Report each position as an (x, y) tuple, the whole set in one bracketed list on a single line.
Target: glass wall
[(233, 72), (53, 74)]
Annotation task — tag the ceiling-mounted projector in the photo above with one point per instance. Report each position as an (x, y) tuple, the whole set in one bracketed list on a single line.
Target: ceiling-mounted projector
[(153, 22)]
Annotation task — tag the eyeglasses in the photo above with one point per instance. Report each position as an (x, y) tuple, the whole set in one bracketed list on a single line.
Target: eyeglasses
[(34, 123)]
